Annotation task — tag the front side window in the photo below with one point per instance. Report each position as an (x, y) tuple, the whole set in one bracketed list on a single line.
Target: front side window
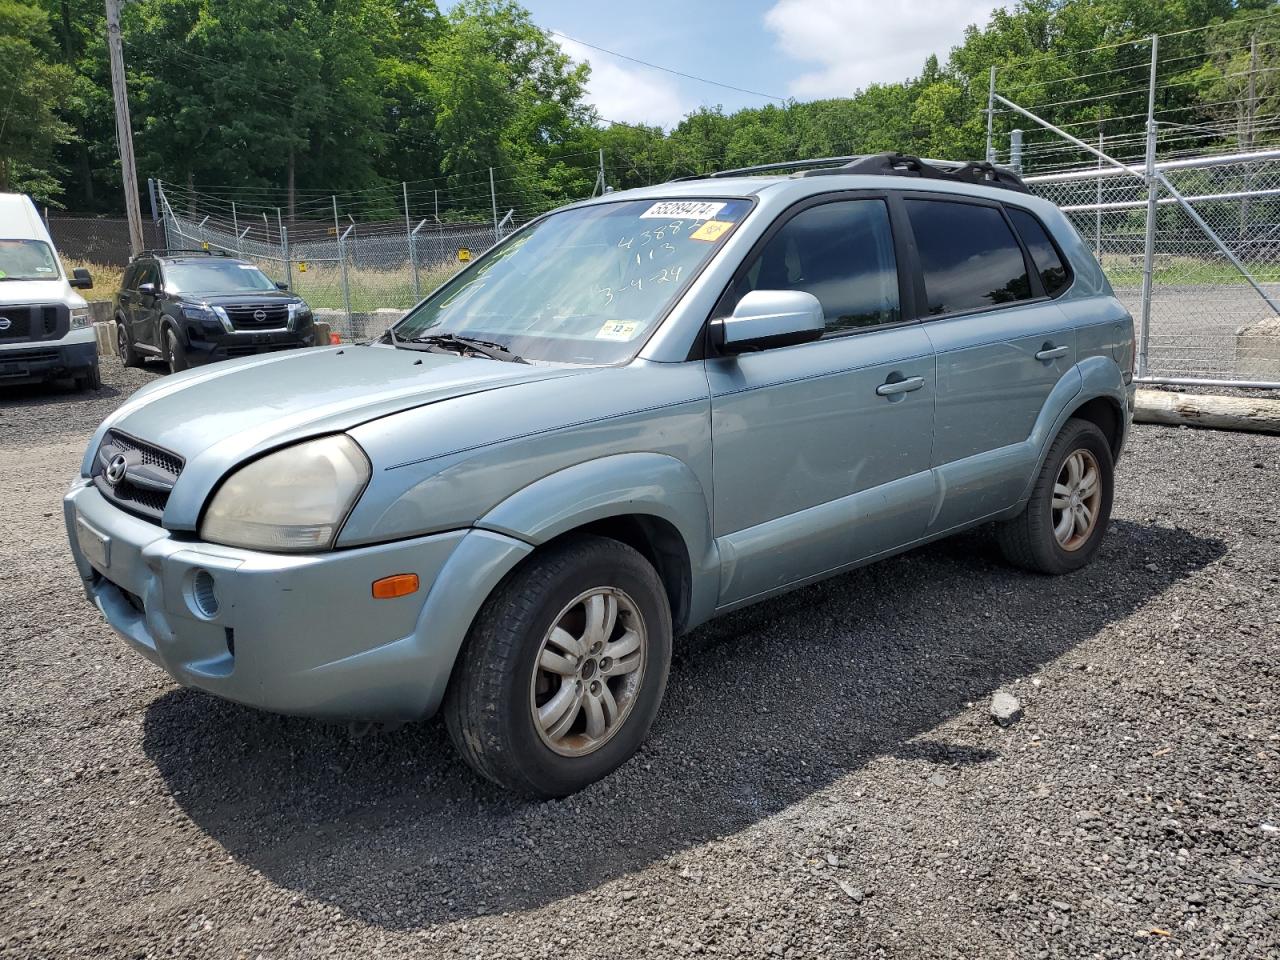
[(969, 256), (27, 260), (842, 253), (215, 276), (1048, 261), (585, 285)]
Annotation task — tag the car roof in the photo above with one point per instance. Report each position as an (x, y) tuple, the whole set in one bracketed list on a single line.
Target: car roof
[(19, 219), (789, 189)]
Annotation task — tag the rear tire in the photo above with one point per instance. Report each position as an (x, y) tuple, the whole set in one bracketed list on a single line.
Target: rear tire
[(174, 352), (551, 692), (124, 346), (1062, 526)]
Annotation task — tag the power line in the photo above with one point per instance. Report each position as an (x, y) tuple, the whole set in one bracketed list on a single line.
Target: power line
[(655, 66)]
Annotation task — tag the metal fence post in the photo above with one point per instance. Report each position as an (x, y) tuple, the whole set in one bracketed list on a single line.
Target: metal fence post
[(493, 195), (346, 287), (1149, 242), (1015, 150), (991, 115), (413, 256), (1097, 214), (284, 250), (235, 226)]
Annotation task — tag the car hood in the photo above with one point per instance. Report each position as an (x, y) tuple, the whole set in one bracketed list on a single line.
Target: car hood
[(230, 299), (39, 291), (218, 416)]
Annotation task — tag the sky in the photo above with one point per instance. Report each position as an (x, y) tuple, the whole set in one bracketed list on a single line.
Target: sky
[(802, 49)]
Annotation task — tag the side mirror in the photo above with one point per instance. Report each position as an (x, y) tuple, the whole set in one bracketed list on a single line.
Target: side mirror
[(80, 279), (147, 289), (769, 318), (281, 285)]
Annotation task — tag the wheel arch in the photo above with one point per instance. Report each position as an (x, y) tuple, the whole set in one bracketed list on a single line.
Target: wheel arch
[(649, 501)]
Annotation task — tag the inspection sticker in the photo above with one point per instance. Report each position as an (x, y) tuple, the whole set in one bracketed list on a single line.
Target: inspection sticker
[(682, 210), (712, 230), (618, 330)]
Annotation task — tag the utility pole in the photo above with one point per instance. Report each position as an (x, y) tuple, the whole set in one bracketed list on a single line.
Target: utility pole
[(124, 129)]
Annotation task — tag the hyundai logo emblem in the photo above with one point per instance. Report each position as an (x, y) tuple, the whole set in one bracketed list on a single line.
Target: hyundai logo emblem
[(5, 323), (259, 315), (116, 469)]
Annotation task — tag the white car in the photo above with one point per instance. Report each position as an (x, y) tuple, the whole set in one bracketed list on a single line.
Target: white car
[(46, 328)]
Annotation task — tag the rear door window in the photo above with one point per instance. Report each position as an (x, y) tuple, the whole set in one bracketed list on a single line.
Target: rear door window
[(842, 253), (1048, 261), (969, 256)]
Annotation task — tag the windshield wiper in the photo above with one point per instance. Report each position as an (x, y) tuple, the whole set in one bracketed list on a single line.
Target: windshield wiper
[(452, 343)]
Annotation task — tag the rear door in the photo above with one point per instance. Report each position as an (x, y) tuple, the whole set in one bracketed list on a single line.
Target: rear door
[(816, 462), (1001, 344)]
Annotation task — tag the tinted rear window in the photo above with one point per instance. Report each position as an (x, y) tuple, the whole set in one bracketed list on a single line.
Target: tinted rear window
[(1053, 272), (969, 256)]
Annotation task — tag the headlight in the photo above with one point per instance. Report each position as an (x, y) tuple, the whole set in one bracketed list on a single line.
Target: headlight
[(81, 317), (290, 501), (202, 311), (299, 313)]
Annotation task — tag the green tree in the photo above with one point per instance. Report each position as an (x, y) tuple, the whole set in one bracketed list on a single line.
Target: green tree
[(31, 87)]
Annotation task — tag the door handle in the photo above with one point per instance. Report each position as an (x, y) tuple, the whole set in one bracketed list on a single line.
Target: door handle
[(1053, 353), (893, 387)]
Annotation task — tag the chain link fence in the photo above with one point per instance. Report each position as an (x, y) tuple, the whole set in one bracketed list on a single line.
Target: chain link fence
[(1207, 318), (360, 280), (98, 240)]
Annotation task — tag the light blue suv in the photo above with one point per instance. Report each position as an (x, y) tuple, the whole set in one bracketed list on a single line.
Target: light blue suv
[(632, 415)]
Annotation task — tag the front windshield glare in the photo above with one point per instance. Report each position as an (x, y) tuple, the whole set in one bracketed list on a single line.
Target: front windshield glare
[(27, 260), (215, 277), (585, 285)]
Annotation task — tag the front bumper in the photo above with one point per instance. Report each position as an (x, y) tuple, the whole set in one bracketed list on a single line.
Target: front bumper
[(206, 346), (31, 363), (297, 634)]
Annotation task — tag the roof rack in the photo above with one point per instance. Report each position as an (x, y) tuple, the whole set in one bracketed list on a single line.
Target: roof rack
[(170, 251), (892, 165)]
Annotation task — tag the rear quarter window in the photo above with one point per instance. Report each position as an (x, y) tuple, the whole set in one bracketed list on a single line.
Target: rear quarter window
[(1044, 252)]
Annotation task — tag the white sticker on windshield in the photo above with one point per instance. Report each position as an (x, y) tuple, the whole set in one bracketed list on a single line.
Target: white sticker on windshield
[(618, 330), (246, 266), (683, 209), (44, 269)]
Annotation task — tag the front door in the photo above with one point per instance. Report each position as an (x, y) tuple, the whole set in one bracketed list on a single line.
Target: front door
[(1001, 344), (822, 449)]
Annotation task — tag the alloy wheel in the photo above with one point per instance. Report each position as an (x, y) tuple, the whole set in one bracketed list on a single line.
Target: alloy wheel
[(1077, 499), (588, 671)]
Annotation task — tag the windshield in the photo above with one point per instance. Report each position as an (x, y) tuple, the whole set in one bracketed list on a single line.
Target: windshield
[(215, 276), (27, 260), (585, 285)]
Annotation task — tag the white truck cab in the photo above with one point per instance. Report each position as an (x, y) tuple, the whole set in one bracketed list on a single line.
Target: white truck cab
[(46, 328)]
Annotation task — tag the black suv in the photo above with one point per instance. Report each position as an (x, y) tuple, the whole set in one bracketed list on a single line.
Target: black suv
[(191, 306)]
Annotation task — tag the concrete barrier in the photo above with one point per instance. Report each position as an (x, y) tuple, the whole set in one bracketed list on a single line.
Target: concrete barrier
[(1258, 350)]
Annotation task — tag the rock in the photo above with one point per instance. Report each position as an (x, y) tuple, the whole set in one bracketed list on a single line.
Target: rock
[(1005, 709), (938, 780), (852, 892)]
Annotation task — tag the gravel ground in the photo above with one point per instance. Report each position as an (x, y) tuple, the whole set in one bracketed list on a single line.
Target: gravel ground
[(824, 779)]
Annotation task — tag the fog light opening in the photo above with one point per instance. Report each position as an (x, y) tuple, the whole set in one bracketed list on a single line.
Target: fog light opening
[(204, 599)]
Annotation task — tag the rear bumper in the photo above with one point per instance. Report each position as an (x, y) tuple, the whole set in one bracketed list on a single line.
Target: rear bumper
[(71, 356), (290, 634)]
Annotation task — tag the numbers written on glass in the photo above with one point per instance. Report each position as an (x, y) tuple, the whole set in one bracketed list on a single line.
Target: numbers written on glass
[(665, 275), (647, 237)]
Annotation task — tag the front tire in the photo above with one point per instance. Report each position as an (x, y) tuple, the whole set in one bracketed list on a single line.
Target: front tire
[(174, 352), (563, 670), (91, 379), (1062, 526), (124, 346)]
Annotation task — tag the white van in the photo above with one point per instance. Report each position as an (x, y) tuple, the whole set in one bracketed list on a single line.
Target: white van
[(46, 329)]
